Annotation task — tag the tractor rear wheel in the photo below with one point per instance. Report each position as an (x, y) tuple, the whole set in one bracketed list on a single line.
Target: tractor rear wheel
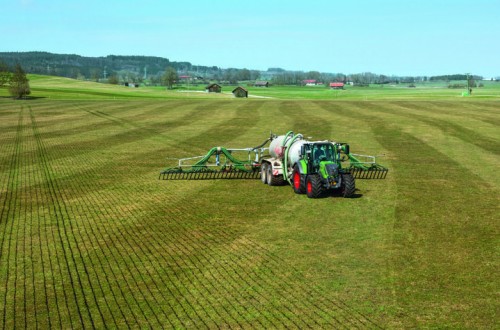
[(298, 181), (263, 172), (314, 187), (348, 185), (273, 180)]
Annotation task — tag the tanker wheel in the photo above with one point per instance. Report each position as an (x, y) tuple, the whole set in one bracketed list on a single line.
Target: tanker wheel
[(263, 172), (314, 188), (348, 185), (273, 180), (298, 181)]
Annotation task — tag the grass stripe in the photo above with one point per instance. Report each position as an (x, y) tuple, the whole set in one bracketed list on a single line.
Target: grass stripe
[(7, 217), (60, 213)]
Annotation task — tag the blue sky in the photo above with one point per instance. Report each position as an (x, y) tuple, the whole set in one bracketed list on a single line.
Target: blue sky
[(392, 37)]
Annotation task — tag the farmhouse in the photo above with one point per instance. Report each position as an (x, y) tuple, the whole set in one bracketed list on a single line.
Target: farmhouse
[(261, 84), (213, 88), (311, 82), (240, 92), (337, 85)]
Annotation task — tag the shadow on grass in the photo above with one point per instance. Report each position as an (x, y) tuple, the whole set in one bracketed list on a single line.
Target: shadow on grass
[(337, 194), (28, 98), (356, 196)]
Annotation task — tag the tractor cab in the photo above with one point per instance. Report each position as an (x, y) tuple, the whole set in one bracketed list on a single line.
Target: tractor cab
[(322, 152), (318, 152), (322, 158)]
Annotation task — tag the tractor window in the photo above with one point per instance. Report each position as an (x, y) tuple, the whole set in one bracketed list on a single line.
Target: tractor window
[(323, 152)]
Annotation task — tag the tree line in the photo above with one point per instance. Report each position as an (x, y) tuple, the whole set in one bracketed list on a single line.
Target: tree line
[(451, 77), (153, 70), (125, 68)]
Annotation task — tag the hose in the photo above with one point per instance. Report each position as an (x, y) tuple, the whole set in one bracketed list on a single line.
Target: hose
[(288, 145), (263, 144)]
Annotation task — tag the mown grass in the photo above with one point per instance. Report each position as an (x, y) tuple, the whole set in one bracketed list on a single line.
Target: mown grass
[(90, 237)]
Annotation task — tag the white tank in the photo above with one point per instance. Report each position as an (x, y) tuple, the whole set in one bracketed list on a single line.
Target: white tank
[(277, 151)]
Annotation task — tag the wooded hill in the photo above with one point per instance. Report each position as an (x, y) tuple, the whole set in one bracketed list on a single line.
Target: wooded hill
[(94, 68)]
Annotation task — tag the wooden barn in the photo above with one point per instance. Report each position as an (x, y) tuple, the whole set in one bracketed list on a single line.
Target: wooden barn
[(261, 84), (240, 92), (213, 88)]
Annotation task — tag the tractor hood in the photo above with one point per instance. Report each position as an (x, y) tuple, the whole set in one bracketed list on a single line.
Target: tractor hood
[(328, 169)]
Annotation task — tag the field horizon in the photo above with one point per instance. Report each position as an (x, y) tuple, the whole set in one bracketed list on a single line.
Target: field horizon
[(89, 237), (51, 87)]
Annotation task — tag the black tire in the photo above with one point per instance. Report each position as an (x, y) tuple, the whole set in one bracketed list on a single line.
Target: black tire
[(269, 175), (273, 180), (314, 188), (348, 185), (263, 172), (298, 181)]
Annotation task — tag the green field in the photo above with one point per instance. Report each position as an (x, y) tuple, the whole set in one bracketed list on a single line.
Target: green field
[(90, 238), (62, 88)]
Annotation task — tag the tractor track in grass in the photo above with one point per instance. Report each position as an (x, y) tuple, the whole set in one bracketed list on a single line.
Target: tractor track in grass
[(194, 266), (249, 251), (65, 230), (103, 267), (217, 240), (21, 218), (76, 230), (121, 238), (90, 189), (45, 267), (7, 216), (115, 254), (20, 294)]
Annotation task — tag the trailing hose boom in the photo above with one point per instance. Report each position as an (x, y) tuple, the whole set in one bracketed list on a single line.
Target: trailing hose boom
[(310, 167), (218, 163)]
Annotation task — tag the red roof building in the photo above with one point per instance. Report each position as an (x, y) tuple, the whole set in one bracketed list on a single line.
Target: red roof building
[(337, 85)]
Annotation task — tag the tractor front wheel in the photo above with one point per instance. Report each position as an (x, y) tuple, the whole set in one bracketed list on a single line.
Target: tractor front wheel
[(298, 181), (348, 185), (314, 187)]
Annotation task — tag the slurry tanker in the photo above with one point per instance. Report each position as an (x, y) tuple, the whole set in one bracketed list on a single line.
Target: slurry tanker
[(313, 168)]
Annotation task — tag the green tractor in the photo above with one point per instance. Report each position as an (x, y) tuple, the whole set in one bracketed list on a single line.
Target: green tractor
[(319, 169)]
